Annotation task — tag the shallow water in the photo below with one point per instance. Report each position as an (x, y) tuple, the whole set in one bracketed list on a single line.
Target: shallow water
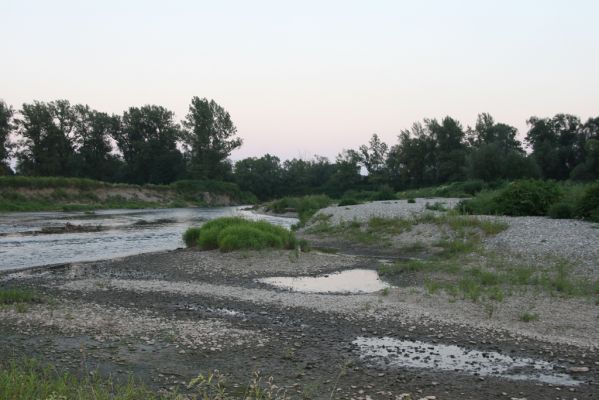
[(124, 233), (392, 352), (350, 281)]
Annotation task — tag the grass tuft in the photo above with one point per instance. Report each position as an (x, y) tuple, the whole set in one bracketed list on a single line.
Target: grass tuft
[(235, 233)]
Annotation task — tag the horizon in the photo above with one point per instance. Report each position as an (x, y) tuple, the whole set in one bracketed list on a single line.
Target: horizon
[(312, 79)]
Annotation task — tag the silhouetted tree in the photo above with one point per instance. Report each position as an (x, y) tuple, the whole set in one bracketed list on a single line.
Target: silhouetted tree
[(557, 144), (92, 132), (496, 152), (209, 138), (148, 141), (346, 175), (6, 146), (46, 142), (262, 176)]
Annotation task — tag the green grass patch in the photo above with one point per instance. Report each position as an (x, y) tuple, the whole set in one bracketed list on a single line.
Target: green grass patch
[(16, 295), (235, 233), (30, 380)]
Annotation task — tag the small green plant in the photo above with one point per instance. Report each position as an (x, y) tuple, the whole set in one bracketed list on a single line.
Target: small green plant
[(435, 206), (411, 200), (385, 291), (528, 317)]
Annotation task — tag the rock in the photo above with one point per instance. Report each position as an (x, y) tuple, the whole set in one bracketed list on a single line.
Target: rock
[(579, 369)]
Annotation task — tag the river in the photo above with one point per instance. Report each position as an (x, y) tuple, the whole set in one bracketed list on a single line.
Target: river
[(120, 233)]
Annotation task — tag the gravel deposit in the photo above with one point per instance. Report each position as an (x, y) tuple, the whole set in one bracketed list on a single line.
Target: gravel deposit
[(534, 238), (115, 323), (385, 209), (567, 322), (539, 237)]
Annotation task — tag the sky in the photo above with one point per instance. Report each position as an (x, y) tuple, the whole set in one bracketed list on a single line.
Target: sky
[(308, 77)]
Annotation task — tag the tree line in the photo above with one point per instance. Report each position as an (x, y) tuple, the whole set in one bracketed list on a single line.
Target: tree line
[(143, 145), (147, 145)]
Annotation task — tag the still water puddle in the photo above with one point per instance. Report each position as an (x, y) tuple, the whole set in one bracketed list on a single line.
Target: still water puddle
[(390, 352), (350, 281)]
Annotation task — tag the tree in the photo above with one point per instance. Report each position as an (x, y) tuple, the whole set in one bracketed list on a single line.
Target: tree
[(92, 133), (557, 144), (486, 131), (496, 152), (450, 149), (6, 146), (46, 145), (411, 162), (373, 157), (346, 174), (261, 176), (210, 138), (148, 141)]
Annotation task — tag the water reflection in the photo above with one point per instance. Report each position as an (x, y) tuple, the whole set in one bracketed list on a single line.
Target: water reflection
[(415, 354), (350, 281)]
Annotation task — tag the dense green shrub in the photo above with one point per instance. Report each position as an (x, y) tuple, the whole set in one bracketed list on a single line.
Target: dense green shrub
[(473, 187), (561, 210), (191, 236), (233, 233), (588, 205), (385, 192), (527, 197), (519, 198)]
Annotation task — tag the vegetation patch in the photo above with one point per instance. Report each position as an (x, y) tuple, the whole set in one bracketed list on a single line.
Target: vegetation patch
[(478, 276), (558, 200), (305, 206), (16, 295), (528, 317), (28, 379), (465, 231), (235, 233)]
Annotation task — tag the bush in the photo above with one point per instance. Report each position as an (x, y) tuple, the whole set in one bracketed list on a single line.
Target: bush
[(588, 205), (234, 233), (527, 197), (473, 187), (411, 200), (561, 210), (191, 237), (385, 192), (305, 206)]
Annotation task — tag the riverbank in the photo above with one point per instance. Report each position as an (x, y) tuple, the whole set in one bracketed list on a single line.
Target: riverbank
[(168, 316), (27, 194)]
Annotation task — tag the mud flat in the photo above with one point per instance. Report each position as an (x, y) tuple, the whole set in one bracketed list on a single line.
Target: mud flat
[(168, 316)]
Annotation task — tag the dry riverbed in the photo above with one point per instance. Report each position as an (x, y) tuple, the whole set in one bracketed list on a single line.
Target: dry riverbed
[(168, 316)]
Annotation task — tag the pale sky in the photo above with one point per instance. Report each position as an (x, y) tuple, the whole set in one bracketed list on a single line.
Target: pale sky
[(308, 77)]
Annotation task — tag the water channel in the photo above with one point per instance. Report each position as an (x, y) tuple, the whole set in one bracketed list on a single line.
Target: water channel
[(30, 239)]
